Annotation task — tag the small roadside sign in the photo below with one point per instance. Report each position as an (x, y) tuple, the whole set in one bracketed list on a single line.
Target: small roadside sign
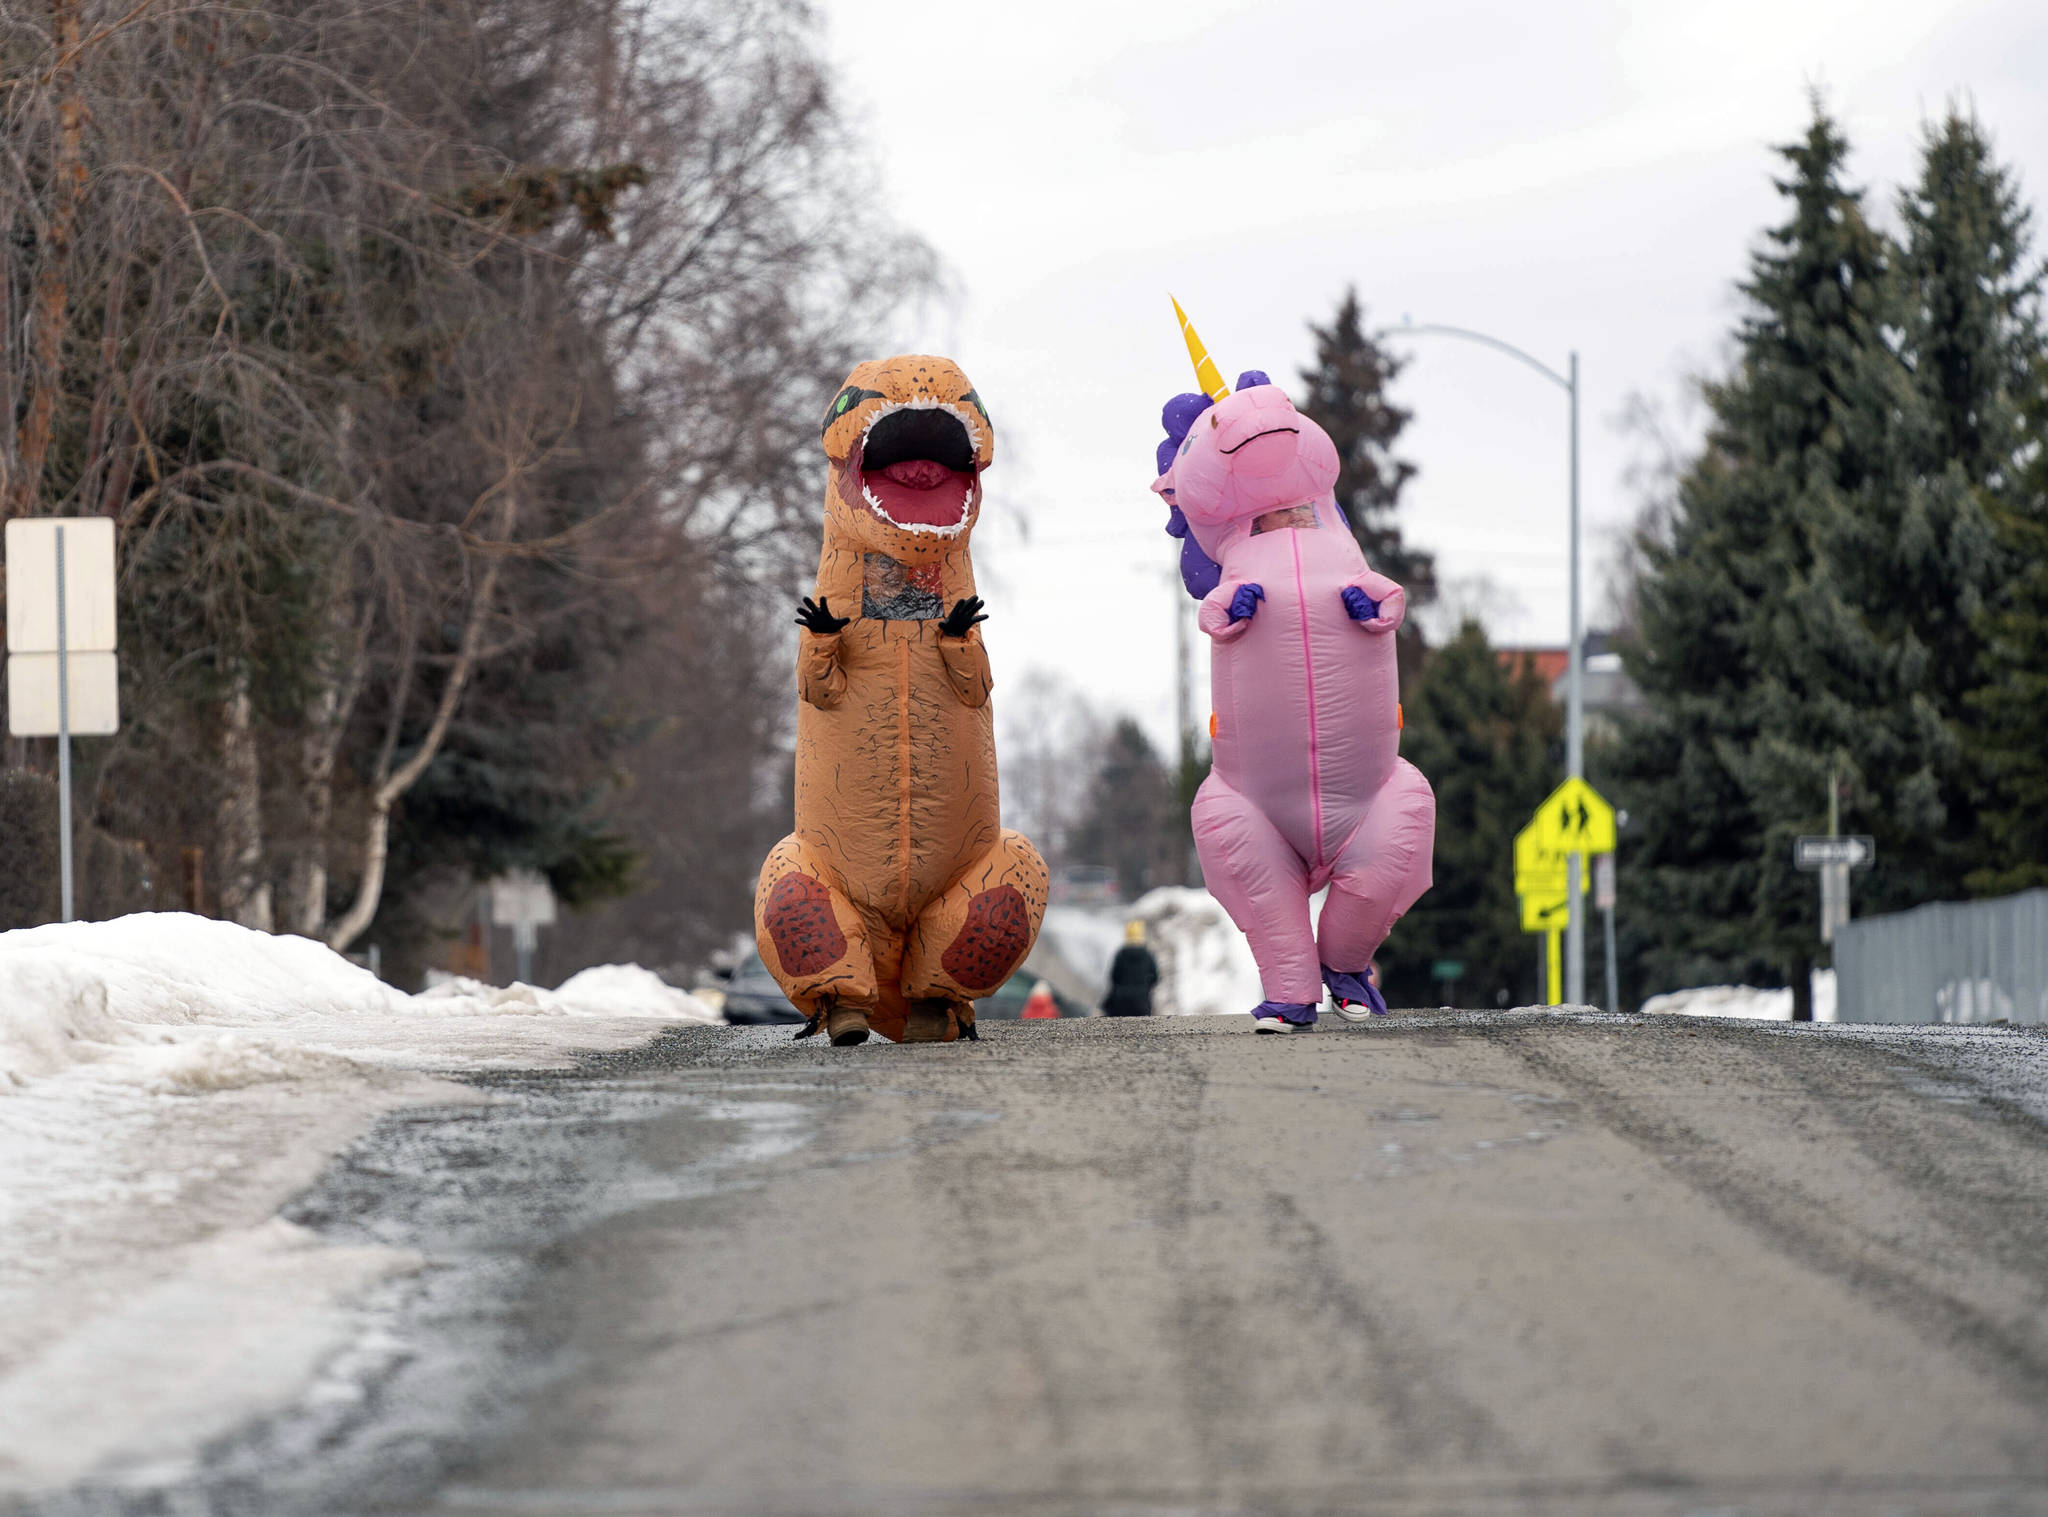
[(1857, 852), (522, 900), (89, 706), (522, 895), (87, 598), (61, 675), (1575, 819), (1603, 881)]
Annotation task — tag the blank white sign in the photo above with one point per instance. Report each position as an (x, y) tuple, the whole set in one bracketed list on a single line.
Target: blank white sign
[(32, 693), (88, 584), (522, 897)]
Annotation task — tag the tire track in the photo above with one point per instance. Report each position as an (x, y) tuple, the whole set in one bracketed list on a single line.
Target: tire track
[(1780, 1212)]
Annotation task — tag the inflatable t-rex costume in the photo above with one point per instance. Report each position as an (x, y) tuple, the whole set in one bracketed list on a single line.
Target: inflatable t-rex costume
[(1308, 788), (899, 898)]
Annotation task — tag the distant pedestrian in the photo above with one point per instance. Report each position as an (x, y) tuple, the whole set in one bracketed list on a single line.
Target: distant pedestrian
[(1132, 974)]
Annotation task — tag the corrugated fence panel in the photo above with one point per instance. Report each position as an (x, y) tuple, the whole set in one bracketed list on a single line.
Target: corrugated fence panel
[(1954, 961)]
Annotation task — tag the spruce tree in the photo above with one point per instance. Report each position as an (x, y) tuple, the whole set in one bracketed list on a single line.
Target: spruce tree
[(1973, 332), (1765, 673), (2009, 709), (1347, 396), (1489, 740), (1979, 359), (1971, 340)]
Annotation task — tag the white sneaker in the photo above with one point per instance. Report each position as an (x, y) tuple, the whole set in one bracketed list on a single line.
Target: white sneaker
[(1280, 1024)]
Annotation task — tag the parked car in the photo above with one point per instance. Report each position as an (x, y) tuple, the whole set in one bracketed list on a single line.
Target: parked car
[(752, 998), (1006, 1004)]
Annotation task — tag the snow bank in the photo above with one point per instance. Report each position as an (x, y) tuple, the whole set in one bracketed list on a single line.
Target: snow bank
[(84, 990), (1205, 964), (1745, 1001), (95, 991), (607, 990), (166, 1082)]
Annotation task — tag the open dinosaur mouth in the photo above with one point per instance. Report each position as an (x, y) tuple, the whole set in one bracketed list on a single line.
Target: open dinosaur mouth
[(915, 465)]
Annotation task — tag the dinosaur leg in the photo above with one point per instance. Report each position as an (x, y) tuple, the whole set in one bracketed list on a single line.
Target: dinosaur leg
[(1263, 884), (814, 942), (971, 938), (1379, 873)]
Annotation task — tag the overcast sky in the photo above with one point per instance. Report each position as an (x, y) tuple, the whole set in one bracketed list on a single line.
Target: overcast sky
[(1579, 174)]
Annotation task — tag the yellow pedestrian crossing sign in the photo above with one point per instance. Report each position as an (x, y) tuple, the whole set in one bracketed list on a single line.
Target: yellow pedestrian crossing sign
[(1574, 820)]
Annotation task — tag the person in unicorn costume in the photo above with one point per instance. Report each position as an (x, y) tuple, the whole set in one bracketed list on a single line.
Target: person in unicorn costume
[(1308, 788)]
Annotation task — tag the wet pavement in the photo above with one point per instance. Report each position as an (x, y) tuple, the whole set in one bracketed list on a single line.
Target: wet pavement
[(1450, 1263)]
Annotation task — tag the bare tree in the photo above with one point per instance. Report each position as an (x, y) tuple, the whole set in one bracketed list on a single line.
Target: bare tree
[(408, 342)]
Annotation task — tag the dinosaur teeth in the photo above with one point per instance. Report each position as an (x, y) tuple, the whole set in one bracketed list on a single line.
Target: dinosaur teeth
[(928, 403)]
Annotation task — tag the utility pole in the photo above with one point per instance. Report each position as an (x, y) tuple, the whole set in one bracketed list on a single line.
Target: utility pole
[(1575, 726)]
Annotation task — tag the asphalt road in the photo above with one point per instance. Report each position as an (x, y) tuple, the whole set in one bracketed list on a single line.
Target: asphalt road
[(1471, 1263)]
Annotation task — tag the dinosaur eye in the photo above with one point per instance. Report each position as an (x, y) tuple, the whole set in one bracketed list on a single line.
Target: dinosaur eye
[(847, 399), (1212, 421)]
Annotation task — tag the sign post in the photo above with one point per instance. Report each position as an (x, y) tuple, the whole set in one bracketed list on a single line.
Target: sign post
[(1447, 973), (61, 672), (1603, 897), (1550, 856)]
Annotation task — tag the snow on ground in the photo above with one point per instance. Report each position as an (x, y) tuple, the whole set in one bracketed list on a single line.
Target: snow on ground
[(166, 1081), (1745, 1001)]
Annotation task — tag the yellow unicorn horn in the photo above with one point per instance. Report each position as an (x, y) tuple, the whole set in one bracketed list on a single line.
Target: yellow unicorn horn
[(1205, 367)]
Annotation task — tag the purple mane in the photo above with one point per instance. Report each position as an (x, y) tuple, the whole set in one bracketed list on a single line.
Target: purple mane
[(1198, 571)]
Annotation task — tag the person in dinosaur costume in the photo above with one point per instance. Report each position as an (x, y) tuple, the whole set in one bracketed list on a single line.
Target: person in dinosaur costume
[(1308, 787), (899, 898)]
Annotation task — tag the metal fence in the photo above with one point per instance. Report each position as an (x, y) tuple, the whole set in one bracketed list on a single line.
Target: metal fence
[(1966, 961)]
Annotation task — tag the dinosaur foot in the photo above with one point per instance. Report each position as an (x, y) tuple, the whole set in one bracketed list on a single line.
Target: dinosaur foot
[(934, 1019), (847, 1025)]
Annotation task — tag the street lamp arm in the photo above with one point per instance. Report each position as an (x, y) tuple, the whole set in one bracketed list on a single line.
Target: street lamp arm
[(1412, 329)]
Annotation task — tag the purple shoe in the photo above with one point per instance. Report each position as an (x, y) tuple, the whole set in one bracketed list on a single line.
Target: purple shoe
[(1283, 1016), (1357, 998)]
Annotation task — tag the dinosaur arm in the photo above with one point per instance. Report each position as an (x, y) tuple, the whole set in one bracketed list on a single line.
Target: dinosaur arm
[(821, 678), (1214, 617), (1390, 598), (966, 662)]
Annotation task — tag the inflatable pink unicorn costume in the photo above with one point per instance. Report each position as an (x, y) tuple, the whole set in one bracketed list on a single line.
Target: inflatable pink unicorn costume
[(1308, 788)]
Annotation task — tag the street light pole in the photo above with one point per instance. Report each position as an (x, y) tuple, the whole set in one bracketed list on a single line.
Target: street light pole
[(1575, 710), (1575, 735)]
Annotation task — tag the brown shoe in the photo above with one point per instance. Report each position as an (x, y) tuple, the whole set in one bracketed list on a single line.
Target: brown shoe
[(847, 1025), (928, 1020)]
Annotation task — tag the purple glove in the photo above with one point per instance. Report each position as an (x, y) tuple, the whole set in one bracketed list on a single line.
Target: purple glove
[(1245, 602), (1363, 607)]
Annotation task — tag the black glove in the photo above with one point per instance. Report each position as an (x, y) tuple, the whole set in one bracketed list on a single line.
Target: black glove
[(819, 618), (964, 615)]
